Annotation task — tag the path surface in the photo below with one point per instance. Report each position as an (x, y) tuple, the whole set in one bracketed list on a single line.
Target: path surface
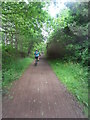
[(39, 94)]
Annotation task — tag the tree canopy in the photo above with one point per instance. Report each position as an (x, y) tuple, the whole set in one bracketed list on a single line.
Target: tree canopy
[(22, 26), (70, 33), (22, 23)]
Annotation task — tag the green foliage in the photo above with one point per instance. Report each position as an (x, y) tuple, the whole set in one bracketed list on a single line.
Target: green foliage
[(14, 70), (75, 78), (22, 24), (13, 64), (70, 33), (81, 53), (10, 54), (79, 11)]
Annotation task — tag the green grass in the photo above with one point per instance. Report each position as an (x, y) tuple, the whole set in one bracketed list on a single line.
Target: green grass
[(14, 70), (75, 78)]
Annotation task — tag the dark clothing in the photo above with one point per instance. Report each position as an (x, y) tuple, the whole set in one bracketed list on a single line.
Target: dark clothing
[(36, 57)]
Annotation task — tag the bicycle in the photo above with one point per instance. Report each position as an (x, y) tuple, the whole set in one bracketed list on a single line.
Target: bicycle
[(36, 61)]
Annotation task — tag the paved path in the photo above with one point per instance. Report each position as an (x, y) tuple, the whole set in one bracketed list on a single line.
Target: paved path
[(39, 94)]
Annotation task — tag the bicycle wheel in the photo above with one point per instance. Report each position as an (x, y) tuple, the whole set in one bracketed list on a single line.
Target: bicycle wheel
[(36, 62)]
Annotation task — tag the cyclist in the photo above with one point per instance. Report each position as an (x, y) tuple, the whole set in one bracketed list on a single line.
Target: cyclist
[(37, 54)]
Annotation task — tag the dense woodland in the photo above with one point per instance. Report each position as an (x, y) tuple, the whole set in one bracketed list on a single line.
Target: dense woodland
[(22, 26), (21, 32), (70, 36)]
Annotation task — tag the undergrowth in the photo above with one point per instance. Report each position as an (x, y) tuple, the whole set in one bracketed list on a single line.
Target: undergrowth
[(14, 70)]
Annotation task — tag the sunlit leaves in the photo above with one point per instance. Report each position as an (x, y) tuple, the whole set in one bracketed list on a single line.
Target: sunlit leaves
[(21, 19)]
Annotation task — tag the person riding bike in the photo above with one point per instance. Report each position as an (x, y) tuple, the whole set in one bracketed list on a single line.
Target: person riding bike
[(37, 54)]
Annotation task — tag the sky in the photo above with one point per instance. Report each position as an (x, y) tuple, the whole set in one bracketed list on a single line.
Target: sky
[(53, 10)]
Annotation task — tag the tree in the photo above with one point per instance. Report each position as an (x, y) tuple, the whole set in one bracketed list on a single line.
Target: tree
[(22, 23)]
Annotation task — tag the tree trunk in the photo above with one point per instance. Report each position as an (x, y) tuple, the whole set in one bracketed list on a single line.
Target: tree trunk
[(12, 39), (16, 42), (6, 39), (21, 47), (29, 48)]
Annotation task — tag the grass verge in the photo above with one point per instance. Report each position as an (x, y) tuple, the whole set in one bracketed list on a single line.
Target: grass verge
[(75, 78), (14, 70)]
